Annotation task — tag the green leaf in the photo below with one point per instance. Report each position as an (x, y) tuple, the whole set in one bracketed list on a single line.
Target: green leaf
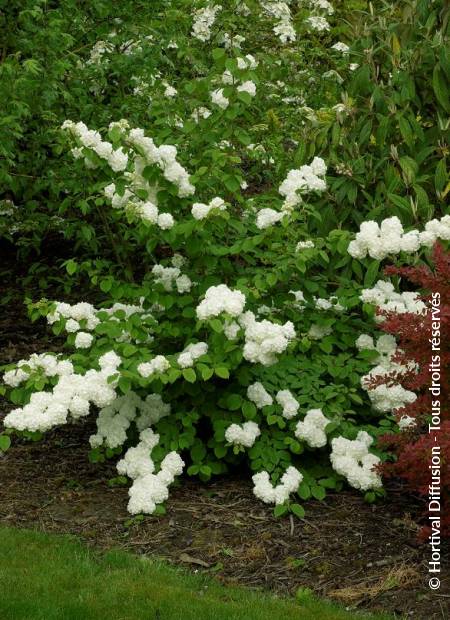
[(189, 375), (328, 483), (441, 88), (297, 510), (206, 373), (371, 273), (440, 176), (244, 97), (129, 349), (198, 452), (234, 402), (216, 325), (220, 451), (249, 410), (5, 442), (218, 53), (280, 510), (318, 492), (222, 372), (410, 169), (106, 285), (71, 267), (304, 492)]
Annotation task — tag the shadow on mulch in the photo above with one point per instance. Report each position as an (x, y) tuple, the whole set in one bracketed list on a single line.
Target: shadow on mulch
[(364, 556)]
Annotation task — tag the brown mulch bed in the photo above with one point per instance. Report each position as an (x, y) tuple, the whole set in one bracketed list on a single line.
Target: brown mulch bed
[(364, 556)]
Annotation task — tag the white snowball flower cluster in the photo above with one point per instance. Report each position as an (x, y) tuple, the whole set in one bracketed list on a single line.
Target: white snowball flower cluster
[(312, 429), (203, 21), (200, 112), (220, 299), (219, 99), (304, 245), (317, 332), (332, 303), (71, 395), (319, 303), (318, 23), (322, 5), (231, 41), (114, 419), (389, 238), (148, 489), (385, 398), (170, 277), (247, 62), (49, 365), (284, 29), (231, 329), (300, 301), (353, 460), (243, 435), (384, 296), (151, 411), (266, 492), (137, 461), (341, 47), (307, 178), (117, 159), (157, 365), (169, 91), (258, 395), (200, 211), (98, 50), (165, 157), (268, 217), (386, 345), (81, 311), (290, 405), (192, 352), (248, 87), (265, 340), (406, 422), (87, 315), (83, 340)]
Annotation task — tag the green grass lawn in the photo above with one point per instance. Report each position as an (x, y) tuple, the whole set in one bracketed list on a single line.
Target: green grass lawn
[(48, 577)]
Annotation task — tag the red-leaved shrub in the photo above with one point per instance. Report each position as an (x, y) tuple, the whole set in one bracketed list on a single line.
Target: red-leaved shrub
[(416, 335)]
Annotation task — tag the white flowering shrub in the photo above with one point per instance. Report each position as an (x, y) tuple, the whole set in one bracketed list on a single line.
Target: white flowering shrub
[(212, 361), (224, 185)]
